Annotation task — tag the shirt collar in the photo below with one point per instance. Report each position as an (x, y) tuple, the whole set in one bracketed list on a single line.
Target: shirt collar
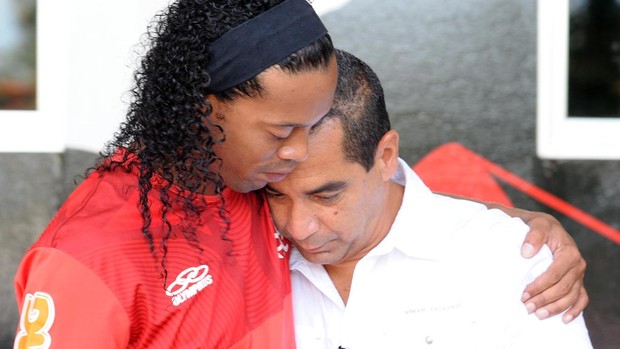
[(299, 263), (412, 230)]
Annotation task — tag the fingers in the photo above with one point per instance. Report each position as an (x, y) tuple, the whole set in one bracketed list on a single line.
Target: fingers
[(558, 289), (562, 292), (575, 301), (532, 244), (548, 280), (578, 307), (541, 226), (555, 305)]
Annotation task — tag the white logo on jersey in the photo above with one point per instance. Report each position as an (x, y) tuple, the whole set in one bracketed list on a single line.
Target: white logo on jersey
[(283, 247), (37, 318), (188, 283)]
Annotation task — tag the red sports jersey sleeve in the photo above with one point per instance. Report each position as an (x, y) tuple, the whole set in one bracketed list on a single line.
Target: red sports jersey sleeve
[(63, 302), (91, 281)]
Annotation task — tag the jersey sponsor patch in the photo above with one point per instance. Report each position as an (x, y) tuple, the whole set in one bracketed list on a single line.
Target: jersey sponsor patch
[(36, 320), (188, 283), (283, 246)]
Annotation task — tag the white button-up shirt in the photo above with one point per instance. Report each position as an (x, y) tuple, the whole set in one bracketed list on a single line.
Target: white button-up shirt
[(448, 275)]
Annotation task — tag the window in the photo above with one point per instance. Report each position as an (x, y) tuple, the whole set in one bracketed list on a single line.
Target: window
[(578, 79), (35, 120), (18, 54)]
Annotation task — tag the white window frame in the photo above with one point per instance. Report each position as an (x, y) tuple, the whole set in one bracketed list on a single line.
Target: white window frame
[(559, 136), (43, 129)]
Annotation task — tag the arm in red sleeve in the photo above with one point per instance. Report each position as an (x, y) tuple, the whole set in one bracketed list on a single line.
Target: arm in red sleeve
[(63, 304)]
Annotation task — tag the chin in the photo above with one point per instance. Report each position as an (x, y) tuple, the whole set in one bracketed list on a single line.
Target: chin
[(319, 258), (247, 186)]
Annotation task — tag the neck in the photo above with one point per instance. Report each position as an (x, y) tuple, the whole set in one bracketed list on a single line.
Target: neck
[(341, 274), (197, 184), (342, 277)]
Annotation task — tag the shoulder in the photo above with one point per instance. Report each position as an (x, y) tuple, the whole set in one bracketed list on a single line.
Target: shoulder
[(59, 297), (473, 233), (485, 242), (473, 221), (98, 207)]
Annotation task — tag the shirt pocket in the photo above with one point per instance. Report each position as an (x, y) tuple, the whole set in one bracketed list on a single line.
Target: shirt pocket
[(439, 326)]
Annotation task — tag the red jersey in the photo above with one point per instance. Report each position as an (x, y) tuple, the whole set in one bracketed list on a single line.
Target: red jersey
[(90, 281)]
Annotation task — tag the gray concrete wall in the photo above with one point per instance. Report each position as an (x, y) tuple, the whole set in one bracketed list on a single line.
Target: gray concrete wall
[(32, 187), (461, 71)]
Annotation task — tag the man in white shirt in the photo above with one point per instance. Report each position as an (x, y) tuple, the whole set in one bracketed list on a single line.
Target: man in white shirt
[(360, 219)]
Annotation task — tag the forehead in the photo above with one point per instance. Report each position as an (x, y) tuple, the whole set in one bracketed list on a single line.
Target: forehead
[(325, 144), (288, 96), (326, 160)]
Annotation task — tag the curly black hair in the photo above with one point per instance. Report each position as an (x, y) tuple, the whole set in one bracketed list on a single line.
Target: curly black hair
[(165, 135)]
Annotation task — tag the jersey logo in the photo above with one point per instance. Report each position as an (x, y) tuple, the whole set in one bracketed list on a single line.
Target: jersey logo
[(36, 320), (188, 283), (283, 246)]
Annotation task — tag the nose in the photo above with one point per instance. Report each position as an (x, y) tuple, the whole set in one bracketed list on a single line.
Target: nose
[(301, 223), (296, 145)]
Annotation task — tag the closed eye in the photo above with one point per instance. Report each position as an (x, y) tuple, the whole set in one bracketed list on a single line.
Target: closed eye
[(279, 137), (328, 198), (281, 133), (272, 194)]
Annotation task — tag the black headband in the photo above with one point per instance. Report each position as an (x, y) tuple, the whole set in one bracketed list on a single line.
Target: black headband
[(257, 44)]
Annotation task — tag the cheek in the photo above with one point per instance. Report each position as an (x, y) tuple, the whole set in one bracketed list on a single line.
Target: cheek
[(278, 214), (247, 147), (352, 220), (278, 218), (340, 221)]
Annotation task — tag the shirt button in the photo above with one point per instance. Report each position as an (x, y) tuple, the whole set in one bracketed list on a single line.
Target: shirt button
[(428, 340)]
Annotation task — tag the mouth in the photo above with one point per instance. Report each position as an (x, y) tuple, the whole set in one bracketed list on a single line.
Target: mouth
[(276, 176), (313, 250), (276, 172)]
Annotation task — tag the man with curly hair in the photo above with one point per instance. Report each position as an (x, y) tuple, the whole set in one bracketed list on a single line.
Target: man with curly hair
[(162, 245)]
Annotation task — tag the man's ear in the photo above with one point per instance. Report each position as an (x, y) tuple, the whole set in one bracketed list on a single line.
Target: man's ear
[(215, 120), (387, 154), (217, 108)]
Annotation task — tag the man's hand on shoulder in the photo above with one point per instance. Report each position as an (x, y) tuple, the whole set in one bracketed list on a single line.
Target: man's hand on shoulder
[(560, 287)]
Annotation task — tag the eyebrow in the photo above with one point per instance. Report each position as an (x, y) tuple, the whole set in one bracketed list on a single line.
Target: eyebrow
[(319, 123), (312, 128), (268, 187), (328, 187)]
